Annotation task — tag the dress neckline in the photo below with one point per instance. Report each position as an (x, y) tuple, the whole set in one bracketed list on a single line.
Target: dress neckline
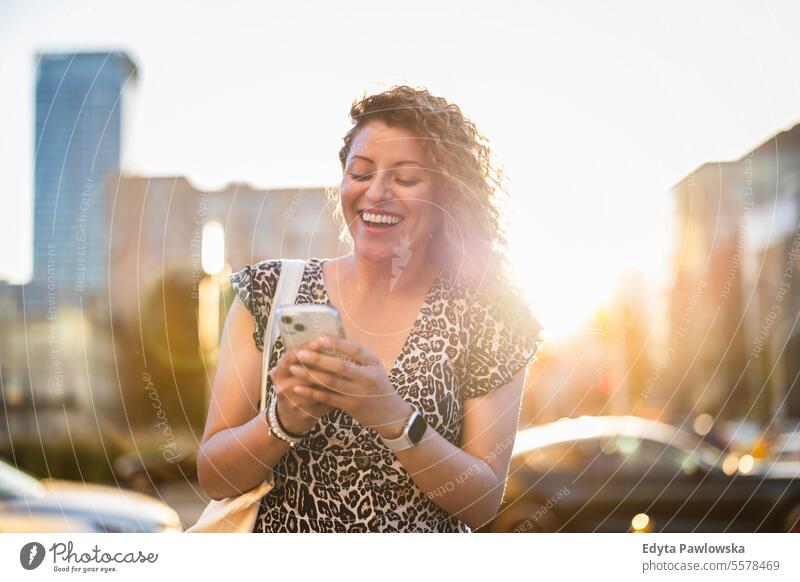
[(422, 314)]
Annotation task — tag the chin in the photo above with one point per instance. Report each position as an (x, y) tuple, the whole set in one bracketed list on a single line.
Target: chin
[(376, 252)]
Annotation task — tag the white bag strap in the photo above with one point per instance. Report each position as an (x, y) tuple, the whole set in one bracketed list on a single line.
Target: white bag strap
[(288, 284)]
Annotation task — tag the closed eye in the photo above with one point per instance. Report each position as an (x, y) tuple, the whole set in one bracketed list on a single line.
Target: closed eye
[(361, 177), (365, 177)]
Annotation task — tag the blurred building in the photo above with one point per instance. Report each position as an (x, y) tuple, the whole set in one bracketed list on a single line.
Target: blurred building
[(14, 382), (736, 298), (157, 226), (56, 360), (81, 106), (45, 374)]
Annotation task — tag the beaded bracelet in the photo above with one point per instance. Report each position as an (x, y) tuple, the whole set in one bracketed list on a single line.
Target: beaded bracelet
[(275, 425)]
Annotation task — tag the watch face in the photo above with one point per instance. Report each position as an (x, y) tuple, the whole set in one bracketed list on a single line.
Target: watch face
[(417, 428)]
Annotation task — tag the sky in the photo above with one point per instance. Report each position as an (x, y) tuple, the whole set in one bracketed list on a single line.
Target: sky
[(595, 110)]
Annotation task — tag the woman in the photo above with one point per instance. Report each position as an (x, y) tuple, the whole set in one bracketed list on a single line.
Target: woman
[(413, 429)]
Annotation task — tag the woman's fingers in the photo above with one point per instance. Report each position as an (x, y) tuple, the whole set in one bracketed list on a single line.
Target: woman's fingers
[(349, 371), (289, 358), (297, 410), (322, 396), (282, 367), (320, 378), (301, 408), (352, 350)]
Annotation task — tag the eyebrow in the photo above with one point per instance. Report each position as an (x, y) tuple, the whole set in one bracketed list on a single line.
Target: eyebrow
[(406, 162)]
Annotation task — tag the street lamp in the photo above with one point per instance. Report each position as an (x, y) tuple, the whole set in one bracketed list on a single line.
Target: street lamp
[(212, 259)]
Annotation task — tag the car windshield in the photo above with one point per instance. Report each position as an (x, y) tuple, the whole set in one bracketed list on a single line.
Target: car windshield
[(15, 483), (629, 452), (706, 453), (636, 454)]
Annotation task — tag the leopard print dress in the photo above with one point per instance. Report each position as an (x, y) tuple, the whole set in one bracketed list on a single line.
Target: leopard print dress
[(341, 478)]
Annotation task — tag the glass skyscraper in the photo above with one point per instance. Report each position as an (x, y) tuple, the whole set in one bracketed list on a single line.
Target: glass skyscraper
[(81, 102)]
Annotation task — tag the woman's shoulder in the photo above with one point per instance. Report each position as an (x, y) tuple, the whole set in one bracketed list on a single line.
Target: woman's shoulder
[(258, 282), (267, 267), (503, 337), (265, 273), (255, 285), (257, 278), (506, 314)]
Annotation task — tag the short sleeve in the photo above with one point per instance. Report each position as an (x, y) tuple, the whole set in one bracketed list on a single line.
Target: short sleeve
[(501, 343), (255, 285)]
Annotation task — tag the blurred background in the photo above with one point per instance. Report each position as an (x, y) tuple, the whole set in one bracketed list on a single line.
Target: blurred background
[(150, 149)]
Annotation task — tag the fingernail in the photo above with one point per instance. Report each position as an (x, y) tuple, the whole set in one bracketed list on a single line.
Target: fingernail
[(300, 389), (303, 354), (295, 369)]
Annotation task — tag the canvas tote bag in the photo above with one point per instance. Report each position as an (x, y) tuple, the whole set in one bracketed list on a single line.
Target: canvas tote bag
[(237, 514)]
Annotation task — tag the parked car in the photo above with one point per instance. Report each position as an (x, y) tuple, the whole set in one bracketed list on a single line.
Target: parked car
[(51, 505), (786, 447), (619, 474), (144, 470)]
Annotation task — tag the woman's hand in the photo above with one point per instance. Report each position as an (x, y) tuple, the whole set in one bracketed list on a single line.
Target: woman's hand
[(298, 413), (355, 383)]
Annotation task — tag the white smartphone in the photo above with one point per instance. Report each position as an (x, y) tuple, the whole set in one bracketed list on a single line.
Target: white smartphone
[(301, 323)]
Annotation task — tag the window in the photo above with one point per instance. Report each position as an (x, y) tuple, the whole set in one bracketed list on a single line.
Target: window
[(566, 457), (636, 456)]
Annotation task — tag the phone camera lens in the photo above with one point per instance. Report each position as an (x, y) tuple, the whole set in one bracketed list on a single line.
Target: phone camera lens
[(286, 319), (299, 327)]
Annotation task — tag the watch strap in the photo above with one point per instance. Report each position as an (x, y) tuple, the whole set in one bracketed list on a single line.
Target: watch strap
[(404, 440)]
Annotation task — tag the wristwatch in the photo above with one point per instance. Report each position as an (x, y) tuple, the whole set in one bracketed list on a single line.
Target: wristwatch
[(412, 433)]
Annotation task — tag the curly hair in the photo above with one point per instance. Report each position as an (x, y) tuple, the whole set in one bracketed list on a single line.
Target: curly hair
[(472, 242)]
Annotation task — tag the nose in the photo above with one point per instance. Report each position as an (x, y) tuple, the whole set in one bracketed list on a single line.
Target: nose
[(378, 190)]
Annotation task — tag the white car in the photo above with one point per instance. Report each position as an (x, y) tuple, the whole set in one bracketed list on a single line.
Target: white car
[(56, 506)]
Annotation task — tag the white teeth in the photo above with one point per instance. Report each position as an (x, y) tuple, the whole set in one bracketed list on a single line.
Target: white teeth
[(380, 218)]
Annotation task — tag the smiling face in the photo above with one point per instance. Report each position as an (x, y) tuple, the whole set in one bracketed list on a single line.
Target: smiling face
[(389, 193)]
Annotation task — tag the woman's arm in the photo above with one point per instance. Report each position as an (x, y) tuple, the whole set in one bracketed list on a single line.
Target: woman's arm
[(238, 450), (467, 482)]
